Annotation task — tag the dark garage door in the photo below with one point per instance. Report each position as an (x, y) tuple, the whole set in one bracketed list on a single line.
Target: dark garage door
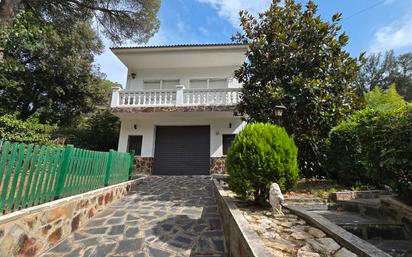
[(182, 150)]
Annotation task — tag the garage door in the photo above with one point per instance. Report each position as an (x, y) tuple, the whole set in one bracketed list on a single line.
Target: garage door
[(182, 150)]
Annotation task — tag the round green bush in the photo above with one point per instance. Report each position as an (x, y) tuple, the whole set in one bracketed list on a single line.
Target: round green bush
[(260, 155)]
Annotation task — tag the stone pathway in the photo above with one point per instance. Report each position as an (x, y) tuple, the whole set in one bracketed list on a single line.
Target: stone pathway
[(160, 217)]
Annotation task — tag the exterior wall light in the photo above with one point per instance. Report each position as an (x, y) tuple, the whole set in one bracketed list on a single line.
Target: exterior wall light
[(279, 110), (133, 75), (230, 124), (135, 126)]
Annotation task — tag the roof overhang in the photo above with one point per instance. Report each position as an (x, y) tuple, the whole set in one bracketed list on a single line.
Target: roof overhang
[(181, 56)]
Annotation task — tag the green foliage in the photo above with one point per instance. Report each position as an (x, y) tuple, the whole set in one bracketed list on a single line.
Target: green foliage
[(28, 131), (260, 155), (298, 60), (344, 157), (379, 100), (382, 70), (49, 72), (97, 131), (375, 145), (133, 20)]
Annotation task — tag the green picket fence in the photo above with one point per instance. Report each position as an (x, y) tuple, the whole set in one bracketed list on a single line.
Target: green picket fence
[(32, 174)]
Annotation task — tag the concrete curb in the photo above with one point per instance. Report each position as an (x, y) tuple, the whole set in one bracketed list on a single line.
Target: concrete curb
[(240, 239), (345, 238)]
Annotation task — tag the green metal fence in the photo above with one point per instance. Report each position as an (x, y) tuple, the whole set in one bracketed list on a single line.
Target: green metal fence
[(34, 174)]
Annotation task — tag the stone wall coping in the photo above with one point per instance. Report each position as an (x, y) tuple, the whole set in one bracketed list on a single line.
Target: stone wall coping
[(345, 238), (38, 208), (253, 241), (362, 194)]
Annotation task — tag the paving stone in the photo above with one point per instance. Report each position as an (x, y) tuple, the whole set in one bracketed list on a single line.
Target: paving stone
[(128, 245), (324, 245), (157, 252), (114, 221), (343, 252), (184, 240), (89, 242), (89, 252), (63, 247), (301, 235), (116, 230), (219, 245), (316, 232), (131, 232), (105, 249), (96, 222), (74, 253), (172, 216), (78, 236), (97, 230)]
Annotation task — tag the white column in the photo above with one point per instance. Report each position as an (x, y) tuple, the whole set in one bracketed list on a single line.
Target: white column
[(115, 97), (179, 94)]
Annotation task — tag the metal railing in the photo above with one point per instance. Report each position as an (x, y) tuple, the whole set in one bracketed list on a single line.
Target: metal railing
[(32, 174)]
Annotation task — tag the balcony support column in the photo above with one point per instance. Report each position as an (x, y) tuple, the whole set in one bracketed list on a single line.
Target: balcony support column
[(115, 98), (179, 95)]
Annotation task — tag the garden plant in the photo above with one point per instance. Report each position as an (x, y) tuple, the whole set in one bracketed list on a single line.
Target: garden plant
[(261, 154)]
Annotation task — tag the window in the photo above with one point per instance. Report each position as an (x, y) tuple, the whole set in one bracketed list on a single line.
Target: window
[(198, 83), (227, 142), (151, 84), (135, 143), (208, 83), (217, 83), (161, 84), (170, 84)]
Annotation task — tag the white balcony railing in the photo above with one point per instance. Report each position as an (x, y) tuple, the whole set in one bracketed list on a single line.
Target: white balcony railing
[(178, 97)]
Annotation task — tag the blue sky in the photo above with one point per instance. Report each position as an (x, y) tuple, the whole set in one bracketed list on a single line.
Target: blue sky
[(372, 25)]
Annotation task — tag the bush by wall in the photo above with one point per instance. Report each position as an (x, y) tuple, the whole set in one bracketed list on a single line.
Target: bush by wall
[(374, 147), (260, 155), (25, 131)]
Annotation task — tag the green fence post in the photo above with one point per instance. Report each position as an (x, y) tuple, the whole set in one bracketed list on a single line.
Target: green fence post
[(61, 175), (108, 168), (131, 164)]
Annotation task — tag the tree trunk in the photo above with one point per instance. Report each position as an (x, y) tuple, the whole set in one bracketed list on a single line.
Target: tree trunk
[(8, 10)]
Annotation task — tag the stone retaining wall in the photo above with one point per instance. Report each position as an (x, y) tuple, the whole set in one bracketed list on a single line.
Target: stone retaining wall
[(218, 165), (240, 239), (142, 166), (32, 231), (352, 195)]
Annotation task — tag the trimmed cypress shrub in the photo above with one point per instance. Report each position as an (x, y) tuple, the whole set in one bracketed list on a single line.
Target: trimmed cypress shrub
[(260, 155)]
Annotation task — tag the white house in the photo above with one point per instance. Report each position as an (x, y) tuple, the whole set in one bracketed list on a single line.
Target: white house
[(177, 108)]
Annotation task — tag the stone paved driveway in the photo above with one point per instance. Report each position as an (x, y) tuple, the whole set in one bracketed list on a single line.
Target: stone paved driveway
[(162, 216)]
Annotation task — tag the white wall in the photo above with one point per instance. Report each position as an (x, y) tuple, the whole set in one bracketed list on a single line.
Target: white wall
[(183, 74), (147, 127)]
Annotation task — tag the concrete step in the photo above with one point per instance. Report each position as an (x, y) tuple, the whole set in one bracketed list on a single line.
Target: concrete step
[(396, 248)]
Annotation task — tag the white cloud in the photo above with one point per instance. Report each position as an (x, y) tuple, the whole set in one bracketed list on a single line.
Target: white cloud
[(229, 9), (204, 31), (396, 35), (388, 2)]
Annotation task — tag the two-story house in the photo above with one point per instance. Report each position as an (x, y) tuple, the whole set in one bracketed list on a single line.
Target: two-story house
[(177, 110)]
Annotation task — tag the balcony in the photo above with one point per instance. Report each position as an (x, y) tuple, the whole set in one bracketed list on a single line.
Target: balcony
[(180, 97)]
